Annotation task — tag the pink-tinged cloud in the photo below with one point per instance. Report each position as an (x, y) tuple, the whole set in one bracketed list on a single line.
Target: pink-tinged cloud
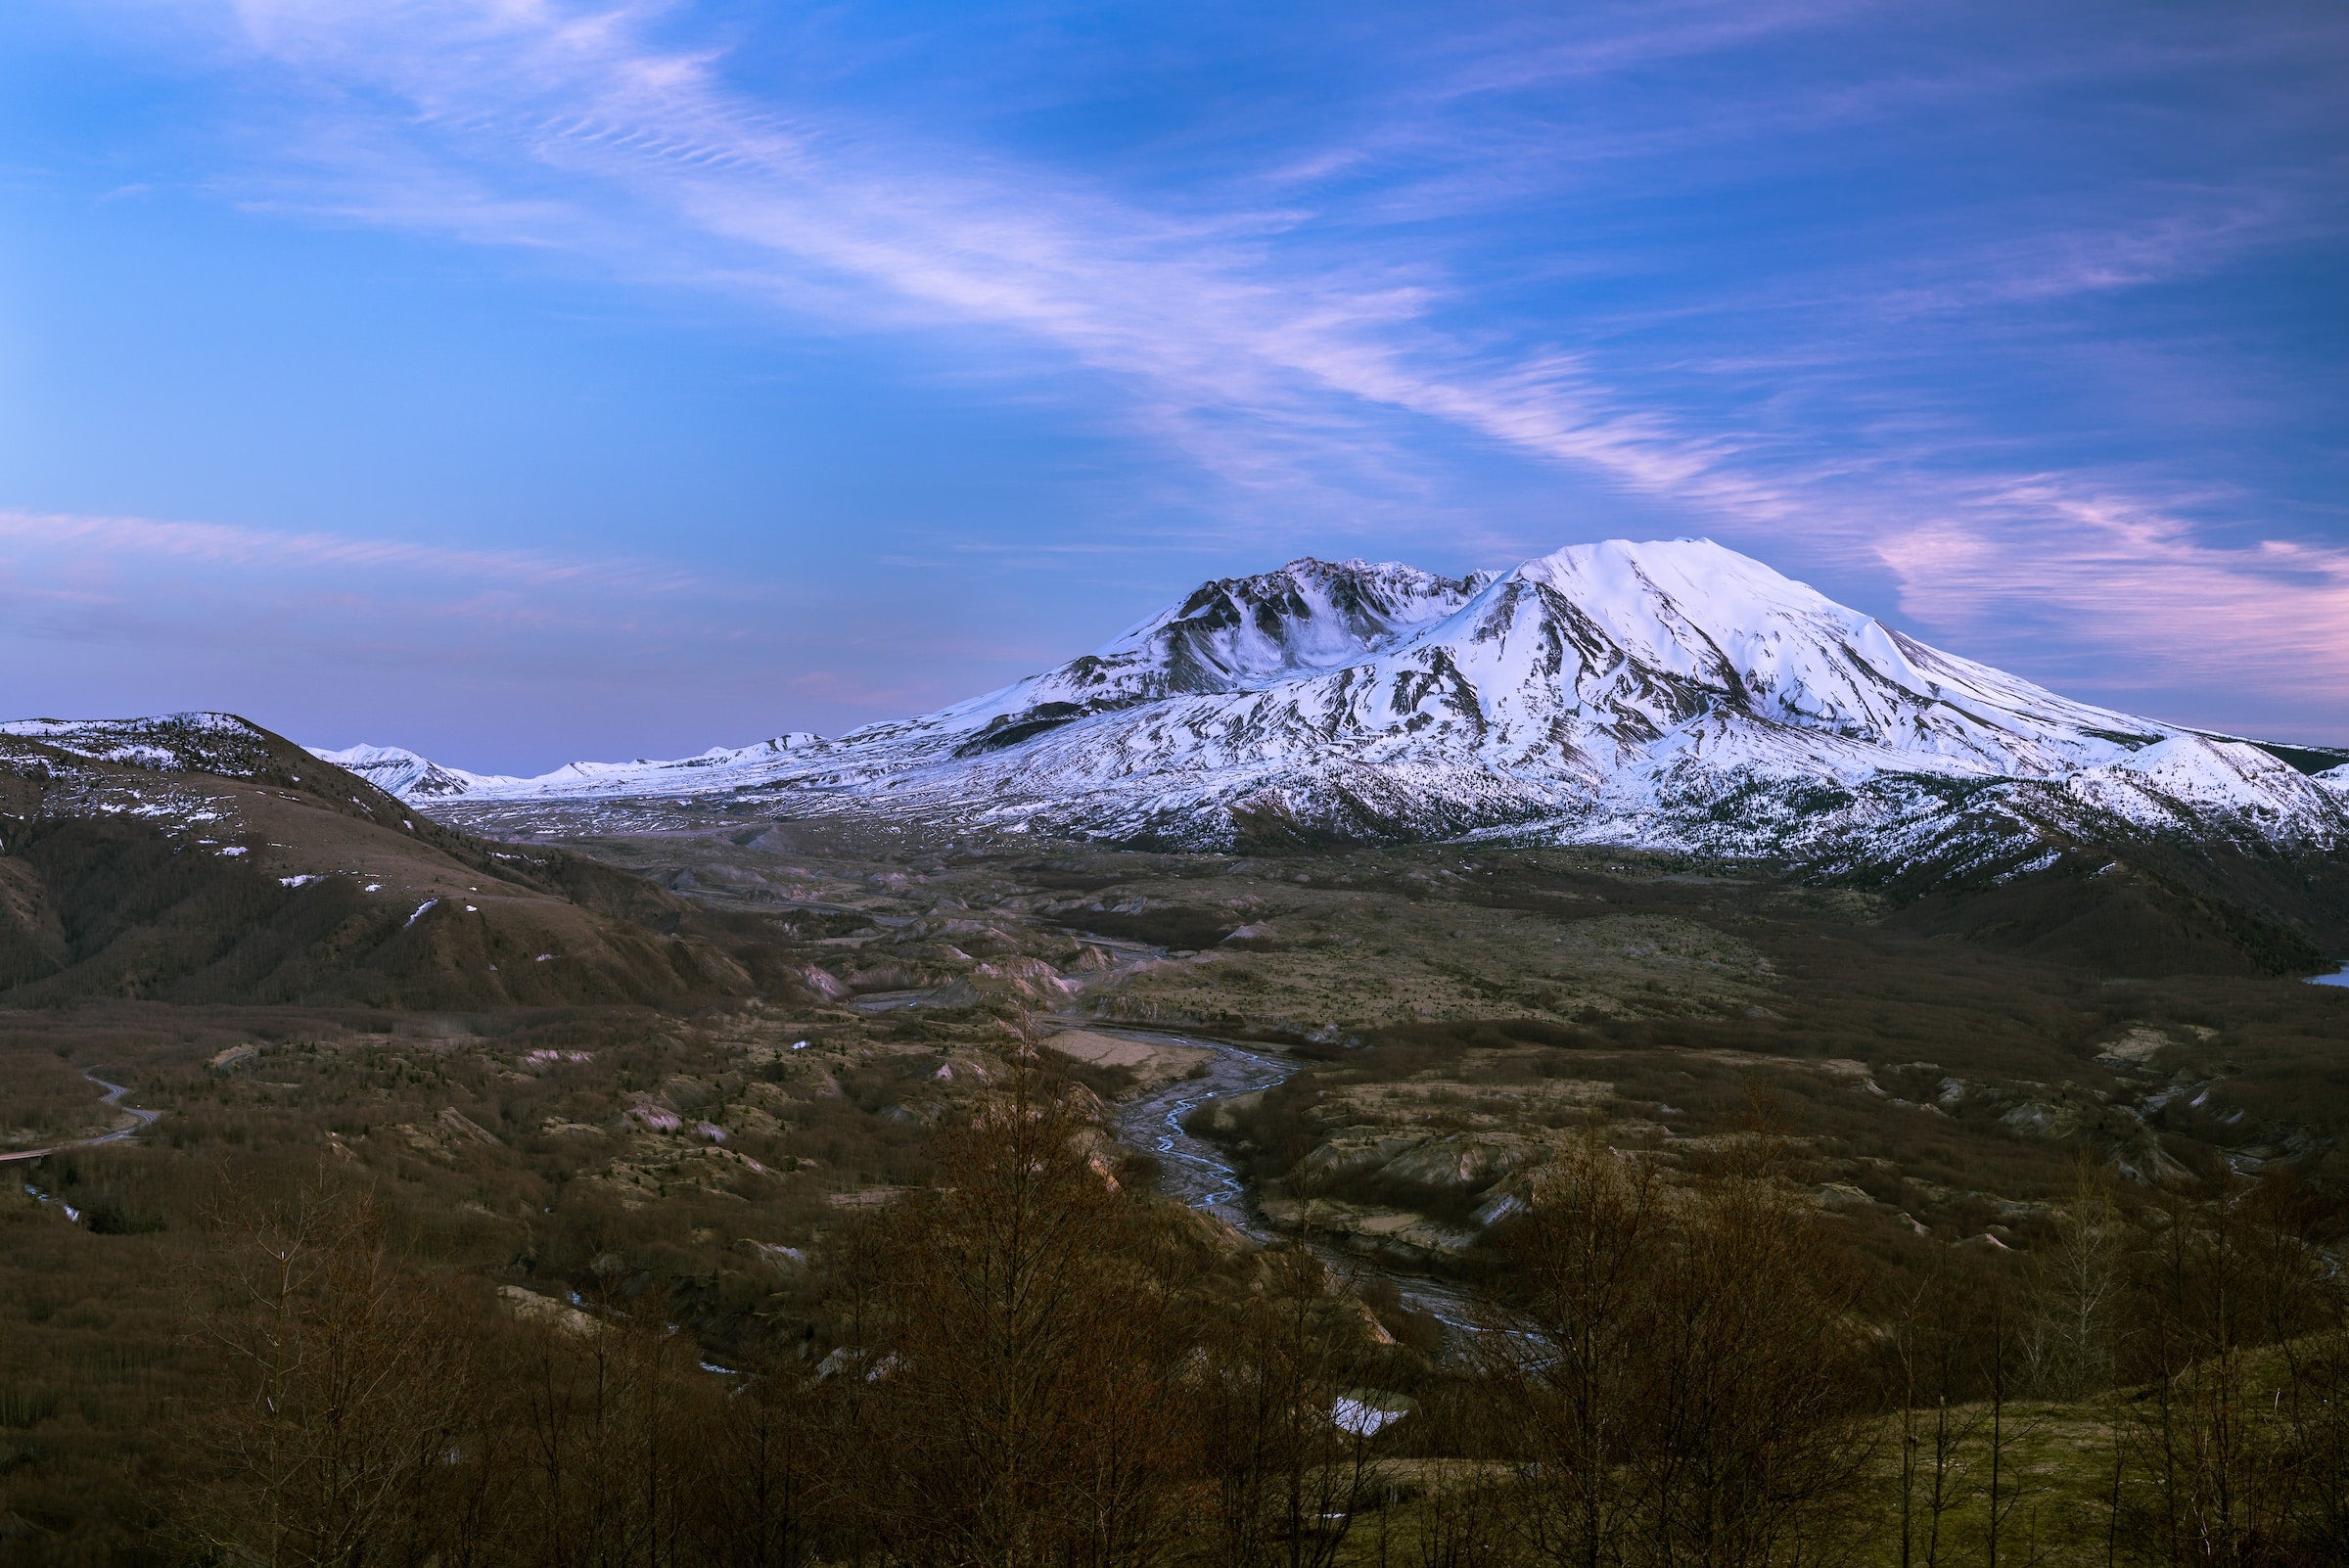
[(573, 127), (2093, 569), (1197, 319), (125, 541)]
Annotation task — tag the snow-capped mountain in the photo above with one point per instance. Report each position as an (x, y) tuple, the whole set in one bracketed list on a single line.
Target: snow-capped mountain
[(397, 770), (1669, 694)]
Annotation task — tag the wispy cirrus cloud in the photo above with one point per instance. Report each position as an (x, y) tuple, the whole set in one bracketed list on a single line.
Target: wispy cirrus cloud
[(122, 541), (191, 595), (308, 629), (1512, 244), (444, 112), (2102, 570), (1228, 333)]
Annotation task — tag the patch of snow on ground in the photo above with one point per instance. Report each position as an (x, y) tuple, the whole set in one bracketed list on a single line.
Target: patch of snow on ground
[(154, 756), (1361, 1417)]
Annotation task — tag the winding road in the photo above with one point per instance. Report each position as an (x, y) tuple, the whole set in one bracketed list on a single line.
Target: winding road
[(113, 1097)]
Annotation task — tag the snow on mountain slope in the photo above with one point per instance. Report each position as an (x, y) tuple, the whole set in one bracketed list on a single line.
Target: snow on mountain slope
[(1674, 694), (2192, 778), (200, 858), (208, 743), (1238, 634), (399, 771)]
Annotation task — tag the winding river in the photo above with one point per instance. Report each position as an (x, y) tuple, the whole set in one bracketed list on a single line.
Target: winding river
[(1202, 1175), (142, 1120), (1191, 1169)]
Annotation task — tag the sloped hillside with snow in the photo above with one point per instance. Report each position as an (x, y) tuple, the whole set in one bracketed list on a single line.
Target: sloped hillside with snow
[(198, 857), (1675, 694), (397, 770)]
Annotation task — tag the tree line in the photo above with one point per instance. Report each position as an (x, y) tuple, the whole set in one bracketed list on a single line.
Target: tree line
[(1027, 1364)]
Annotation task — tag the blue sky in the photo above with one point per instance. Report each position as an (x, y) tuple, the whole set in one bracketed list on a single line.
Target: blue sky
[(525, 380)]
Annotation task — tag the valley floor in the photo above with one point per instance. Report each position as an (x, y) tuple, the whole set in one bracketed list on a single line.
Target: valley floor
[(1436, 1030)]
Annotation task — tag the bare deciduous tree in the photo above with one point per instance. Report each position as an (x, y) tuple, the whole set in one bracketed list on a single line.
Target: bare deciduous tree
[(351, 1415), (1016, 1356), (2068, 1342), (1937, 1426), (764, 1487), (1565, 1366), (608, 1439), (1684, 1371), (1290, 1446)]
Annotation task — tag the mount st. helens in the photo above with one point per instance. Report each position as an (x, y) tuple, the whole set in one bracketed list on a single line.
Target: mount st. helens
[(1674, 695)]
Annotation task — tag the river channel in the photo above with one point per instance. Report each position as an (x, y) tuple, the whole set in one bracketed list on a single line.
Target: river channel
[(1200, 1175), (113, 1097)]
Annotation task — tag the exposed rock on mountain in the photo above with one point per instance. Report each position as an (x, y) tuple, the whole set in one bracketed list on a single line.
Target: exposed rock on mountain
[(1673, 695)]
